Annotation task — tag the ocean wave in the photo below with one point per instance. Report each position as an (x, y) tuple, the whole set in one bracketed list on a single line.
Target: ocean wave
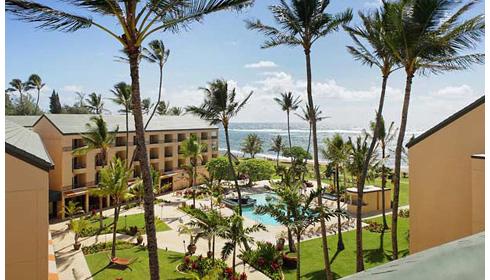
[(276, 130)]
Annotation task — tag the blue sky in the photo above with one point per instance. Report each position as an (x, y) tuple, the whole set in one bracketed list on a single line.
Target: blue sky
[(221, 47)]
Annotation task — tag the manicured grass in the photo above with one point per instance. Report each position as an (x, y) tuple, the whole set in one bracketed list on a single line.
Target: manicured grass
[(139, 270), (377, 250), (137, 220)]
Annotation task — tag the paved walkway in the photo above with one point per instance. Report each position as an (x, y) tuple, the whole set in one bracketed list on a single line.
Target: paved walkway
[(72, 264)]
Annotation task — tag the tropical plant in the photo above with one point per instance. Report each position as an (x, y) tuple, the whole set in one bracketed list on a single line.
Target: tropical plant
[(114, 183), (302, 23), (162, 108), (337, 153), (213, 188), (277, 147), (17, 85), (430, 36), (54, 103), (72, 209), (122, 97), (136, 21), (157, 54), (192, 149), (36, 82), (94, 103), (78, 226), (208, 224), (355, 164), (306, 116), (252, 144), (289, 103), (219, 169), (97, 137), (146, 105), (219, 107), (255, 170), (175, 111), (236, 234)]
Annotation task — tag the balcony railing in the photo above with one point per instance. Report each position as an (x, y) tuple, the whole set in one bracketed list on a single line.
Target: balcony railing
[(79, 165)]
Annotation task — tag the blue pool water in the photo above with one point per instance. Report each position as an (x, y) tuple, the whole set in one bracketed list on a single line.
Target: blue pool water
[(264, 219)]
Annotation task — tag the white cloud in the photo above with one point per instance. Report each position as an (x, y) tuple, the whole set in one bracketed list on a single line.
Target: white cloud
[(72, 88), (453, 92), (262, 64)]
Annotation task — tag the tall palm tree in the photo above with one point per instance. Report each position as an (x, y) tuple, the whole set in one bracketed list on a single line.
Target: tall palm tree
[(17, 85), (122, 97), (385, 136), (146, 105), (371, 49), (289, 103), (135, 22), (337, 152), (163, 108), (192, 149), (176, 111), (97, 137), (236, 234), (355, 164), (302, 23), (429, 39), (36, 82), (114, 183), (252, 144), (94, 103), (157, 54), (277, 147), (209, 224), (317, 115), (219, 107)]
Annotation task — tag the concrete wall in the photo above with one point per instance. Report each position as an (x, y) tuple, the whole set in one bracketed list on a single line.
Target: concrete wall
[(26, 220), (441, 183), (478, 194), (373, 202)]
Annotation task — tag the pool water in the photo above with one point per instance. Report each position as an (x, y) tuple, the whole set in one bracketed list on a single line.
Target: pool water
[(265, 219)]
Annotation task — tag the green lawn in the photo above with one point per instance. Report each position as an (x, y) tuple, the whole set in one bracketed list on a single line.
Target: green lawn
[(124, 221), (377, 250), (139, 270)]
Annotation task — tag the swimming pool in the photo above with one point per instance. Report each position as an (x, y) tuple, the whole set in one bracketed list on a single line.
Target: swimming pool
[(265, 219)]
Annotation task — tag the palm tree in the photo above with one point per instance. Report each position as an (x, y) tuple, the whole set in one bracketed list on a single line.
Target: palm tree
[(176, 111), (81, 99), (72, 209), (252, 144), (288, 103), (302, 23), (355, 165), (337, 152), (36, 82), (122, 93), (163, 108), (294, 210), (376, 31), (219, 107), (208, 224), (236, 235), (16, 85), (429, 39), (156, 53), (192, 149), (97, 137), (146, 105), (277, 147), (317, 114), (114, 183), (94, 103), (385, 137), (135, 22)]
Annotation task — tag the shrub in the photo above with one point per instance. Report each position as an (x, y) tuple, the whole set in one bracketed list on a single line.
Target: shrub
[(256, 169), (100, 247), (374, 226), (265, 258), (404, 213), (219, 169), (203, 266)]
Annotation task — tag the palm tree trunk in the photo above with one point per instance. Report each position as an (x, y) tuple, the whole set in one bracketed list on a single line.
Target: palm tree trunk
[(277, 160), (234, 258), (114, 229), (159, 98), (233, 173), (134, 53), (127, 135), (214, 248), (398, 158), (316, 167), (298, 256), (101, 202), (359, 253), (383, 185), (37, 100), (289, 130), (309, 141), (292, 249), (360, 183), (340, 242)]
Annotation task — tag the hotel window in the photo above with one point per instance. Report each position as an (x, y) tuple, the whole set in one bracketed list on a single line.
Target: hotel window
[(169, 166), (169, 138), (168, 152), (214, 135), (78, 162), (77, 143), (99, 159), (97, 177), (204, 136), (181, 137), (154, 153), (154, 139)]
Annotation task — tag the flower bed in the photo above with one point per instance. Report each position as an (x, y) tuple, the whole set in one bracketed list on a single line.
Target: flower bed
[(265, 258), (100, 247), (374, 226), (205, 267)]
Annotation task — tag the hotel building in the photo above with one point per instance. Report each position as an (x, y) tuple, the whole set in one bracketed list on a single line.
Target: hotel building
[(73, 175)]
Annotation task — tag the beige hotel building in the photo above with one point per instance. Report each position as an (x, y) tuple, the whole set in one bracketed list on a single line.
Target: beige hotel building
[(73, 175)]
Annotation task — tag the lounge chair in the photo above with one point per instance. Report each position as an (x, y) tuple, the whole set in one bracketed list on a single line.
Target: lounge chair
[(122, 261)]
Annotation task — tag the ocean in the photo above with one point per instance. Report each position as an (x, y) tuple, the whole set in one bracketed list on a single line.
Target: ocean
[(299, 137)]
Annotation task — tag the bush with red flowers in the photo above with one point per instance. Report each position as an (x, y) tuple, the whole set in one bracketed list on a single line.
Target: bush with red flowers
[(202, 266), (265, 258)]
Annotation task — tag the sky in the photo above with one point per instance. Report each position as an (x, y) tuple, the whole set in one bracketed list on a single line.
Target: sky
[(222, 47)]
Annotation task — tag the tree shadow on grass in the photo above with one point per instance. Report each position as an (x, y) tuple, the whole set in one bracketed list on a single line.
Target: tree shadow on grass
[(318, 275)]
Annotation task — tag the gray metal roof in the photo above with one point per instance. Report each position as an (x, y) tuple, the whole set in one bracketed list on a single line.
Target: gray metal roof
[(25, 121), (76, 123), (460, 259), (26, 144)]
